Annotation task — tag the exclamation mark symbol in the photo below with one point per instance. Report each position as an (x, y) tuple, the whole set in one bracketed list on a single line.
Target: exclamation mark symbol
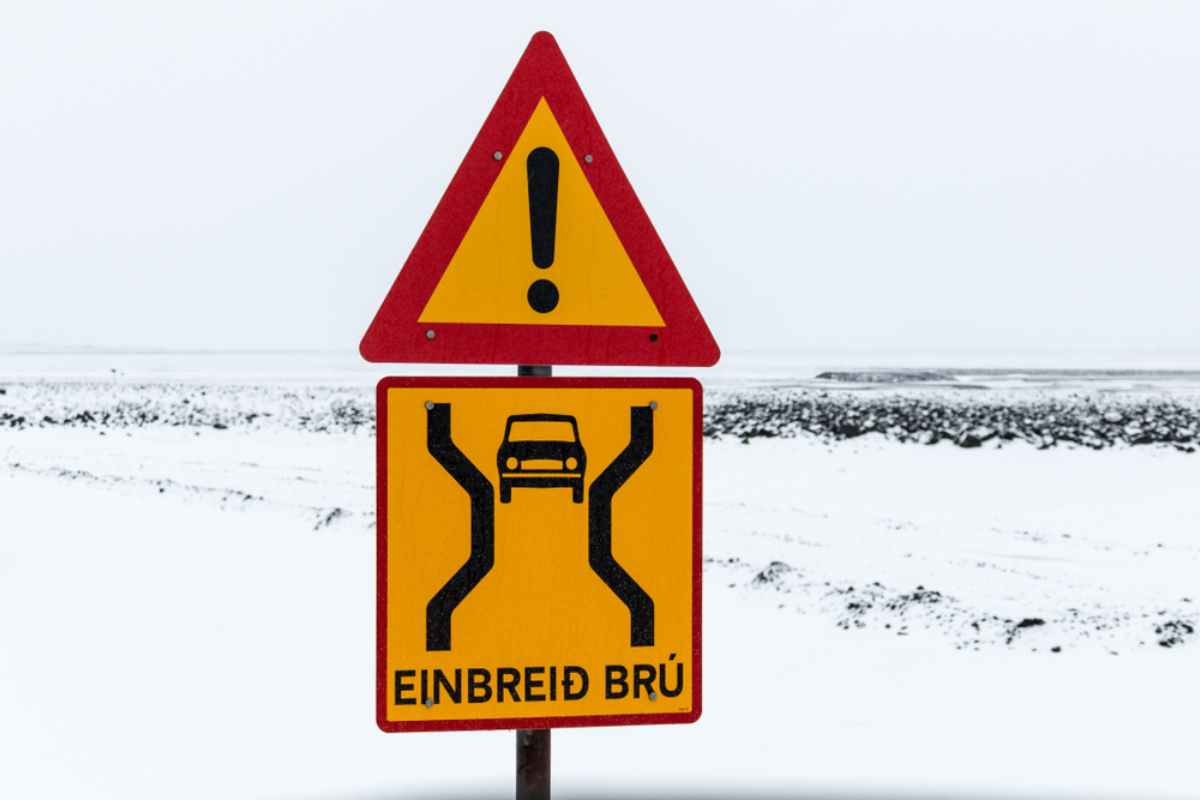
[(542, 172)]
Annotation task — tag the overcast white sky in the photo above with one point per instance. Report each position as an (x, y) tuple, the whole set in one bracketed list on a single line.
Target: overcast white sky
[(937, 177)]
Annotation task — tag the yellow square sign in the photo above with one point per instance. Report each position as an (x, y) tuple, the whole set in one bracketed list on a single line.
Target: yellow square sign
[(538, 552)]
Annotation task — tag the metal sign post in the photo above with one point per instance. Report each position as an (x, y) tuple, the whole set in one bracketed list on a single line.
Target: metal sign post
[(533, 765), (533, 746)]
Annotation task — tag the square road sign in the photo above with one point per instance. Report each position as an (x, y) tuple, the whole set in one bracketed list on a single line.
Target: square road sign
[(538, 552)]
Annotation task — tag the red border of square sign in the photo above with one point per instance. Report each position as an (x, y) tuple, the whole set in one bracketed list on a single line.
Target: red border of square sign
[(389, 726)]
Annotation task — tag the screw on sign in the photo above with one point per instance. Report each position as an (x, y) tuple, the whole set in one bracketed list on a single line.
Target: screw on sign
[(538, 559)]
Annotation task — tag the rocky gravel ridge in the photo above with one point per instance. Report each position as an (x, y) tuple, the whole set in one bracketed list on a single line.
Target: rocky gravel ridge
[(974, 419), (1078, 420)]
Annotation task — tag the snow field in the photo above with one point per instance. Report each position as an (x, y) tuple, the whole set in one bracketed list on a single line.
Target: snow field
[(189, 612)]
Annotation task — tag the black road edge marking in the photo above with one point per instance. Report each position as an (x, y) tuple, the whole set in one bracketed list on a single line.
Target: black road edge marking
[(483, 528), (600, 555)]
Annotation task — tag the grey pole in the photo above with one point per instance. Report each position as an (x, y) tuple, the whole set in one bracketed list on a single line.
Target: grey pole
[(533, 746), (533, 765)]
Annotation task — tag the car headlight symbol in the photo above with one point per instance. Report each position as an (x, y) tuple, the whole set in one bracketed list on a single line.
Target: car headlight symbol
[(571, 463), (512, 463)]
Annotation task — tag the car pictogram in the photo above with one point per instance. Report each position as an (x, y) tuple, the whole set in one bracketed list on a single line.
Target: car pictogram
[(541, 451)]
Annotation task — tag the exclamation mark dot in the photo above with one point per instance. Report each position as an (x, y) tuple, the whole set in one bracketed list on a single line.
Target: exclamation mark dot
[(542, 172)]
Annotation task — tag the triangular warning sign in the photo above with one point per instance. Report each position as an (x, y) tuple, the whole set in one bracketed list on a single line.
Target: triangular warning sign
[(539, 251)]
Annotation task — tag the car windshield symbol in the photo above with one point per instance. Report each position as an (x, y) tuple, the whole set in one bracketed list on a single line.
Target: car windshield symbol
[(541, 451)]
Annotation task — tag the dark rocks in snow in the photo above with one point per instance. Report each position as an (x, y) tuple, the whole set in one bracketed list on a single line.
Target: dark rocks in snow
[(318, 409), (1076, 421), (862, 606), (975, 437), (920, 418), (772, 573), (919, 596), (1025, 623), (326, 517), (1174, 632)]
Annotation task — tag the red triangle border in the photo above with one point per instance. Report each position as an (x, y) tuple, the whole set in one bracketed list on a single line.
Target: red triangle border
[(395, 335)]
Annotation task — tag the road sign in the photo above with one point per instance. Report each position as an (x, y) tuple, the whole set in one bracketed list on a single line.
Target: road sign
[(538, 552), (540, 252)]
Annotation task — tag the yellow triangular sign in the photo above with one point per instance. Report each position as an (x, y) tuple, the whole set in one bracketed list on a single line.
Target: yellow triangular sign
[(490, 277)]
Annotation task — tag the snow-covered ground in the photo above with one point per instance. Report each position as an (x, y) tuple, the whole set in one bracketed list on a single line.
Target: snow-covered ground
[(187, 610)]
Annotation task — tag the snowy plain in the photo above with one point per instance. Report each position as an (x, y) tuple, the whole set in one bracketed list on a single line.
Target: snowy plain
[(187, 610)]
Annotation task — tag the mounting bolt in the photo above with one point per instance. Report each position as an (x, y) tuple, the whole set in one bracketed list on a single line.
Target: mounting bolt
[(588, 158), (428, 703), (429, 405), (653, 407), (429, 334), (652, 696), (497, 155)]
